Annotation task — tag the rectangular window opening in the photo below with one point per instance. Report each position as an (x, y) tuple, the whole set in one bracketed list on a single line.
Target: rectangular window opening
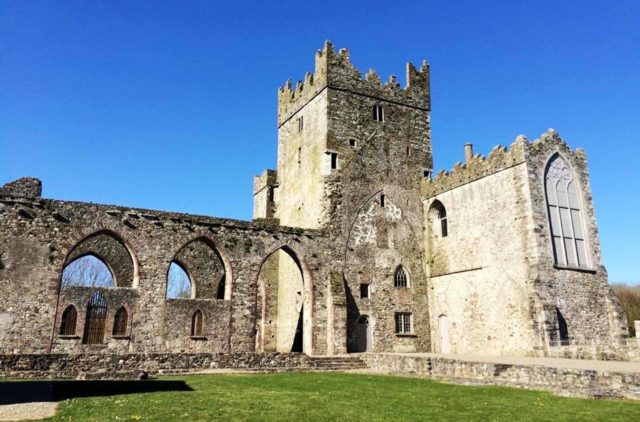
[(382, 200), (334, 160), (352, 143), (364, 291), (378, 113), (403, 323)]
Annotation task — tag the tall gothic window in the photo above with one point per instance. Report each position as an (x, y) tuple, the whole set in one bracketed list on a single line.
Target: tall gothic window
[(565, 215)]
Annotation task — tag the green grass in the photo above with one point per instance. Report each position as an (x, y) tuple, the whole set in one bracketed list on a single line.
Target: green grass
[(317, 396)]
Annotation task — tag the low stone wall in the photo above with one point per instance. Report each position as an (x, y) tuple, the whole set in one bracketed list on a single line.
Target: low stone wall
[(563, 381), (49, 366)]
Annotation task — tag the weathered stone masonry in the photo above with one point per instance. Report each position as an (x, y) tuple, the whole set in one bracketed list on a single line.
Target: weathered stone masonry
[(351, 205)]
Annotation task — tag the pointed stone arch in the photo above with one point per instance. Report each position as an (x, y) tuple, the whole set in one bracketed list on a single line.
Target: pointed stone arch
[(284, 323), (208, 267), (110, 248)]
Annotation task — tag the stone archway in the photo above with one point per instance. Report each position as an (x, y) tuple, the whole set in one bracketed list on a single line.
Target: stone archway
[(283, 317), (363, 333)]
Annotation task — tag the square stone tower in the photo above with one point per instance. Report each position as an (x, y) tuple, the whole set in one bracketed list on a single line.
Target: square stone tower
[(327, 119)]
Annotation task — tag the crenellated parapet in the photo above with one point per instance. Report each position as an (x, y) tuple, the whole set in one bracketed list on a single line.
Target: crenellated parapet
[(335, 70), (500, 158)]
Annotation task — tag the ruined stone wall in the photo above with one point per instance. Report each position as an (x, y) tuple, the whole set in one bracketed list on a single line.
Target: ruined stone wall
[(38, 237)]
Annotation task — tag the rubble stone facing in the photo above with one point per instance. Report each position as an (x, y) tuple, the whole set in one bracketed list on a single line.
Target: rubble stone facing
[(564, 381)]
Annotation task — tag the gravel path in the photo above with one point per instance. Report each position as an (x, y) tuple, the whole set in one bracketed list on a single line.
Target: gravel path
[(26, 400)]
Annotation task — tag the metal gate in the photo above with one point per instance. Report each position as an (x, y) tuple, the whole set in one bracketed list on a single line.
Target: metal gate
[(96, 318)]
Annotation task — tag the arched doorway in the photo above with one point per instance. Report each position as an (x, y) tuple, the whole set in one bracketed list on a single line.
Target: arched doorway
[(445, 339), (283, 322), (363, 333)]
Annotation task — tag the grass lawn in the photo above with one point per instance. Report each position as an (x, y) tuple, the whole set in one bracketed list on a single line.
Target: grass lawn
[(321, 396)]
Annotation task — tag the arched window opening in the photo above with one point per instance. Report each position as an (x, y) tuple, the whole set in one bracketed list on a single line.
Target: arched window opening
[(96, 317), (96, 256), (196, 324), (178, 282), (87, 271), (68, 321), (401, 279), (438, 214), (199, 271), (120, 322), (565, 215), (563, 330)]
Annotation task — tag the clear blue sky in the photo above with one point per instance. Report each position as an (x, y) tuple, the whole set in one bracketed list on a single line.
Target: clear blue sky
[(172, 105)]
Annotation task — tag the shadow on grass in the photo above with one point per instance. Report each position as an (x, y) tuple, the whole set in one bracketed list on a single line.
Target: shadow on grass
[(47, 391)]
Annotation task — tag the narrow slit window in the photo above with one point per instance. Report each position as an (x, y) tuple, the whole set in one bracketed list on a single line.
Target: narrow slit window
[(334, 160), (196, 324), (300, 123), (364, 291), (378, 113), (382, 200)]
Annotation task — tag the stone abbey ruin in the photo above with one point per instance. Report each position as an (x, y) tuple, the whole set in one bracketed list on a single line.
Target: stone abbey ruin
[(355, 246)]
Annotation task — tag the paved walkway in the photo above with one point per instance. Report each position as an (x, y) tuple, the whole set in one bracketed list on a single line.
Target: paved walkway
[(596, 365)]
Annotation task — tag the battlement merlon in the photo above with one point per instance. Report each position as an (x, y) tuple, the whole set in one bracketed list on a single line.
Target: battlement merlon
[(501, 158), (335, 70)]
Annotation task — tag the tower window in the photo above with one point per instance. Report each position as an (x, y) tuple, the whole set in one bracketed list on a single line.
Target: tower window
[(382, 200), (334, 160), (364, 291), (400, 278), (300, 123), (426, 174), (352, 143), (270, 193), (403, 323), (378, 113)]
